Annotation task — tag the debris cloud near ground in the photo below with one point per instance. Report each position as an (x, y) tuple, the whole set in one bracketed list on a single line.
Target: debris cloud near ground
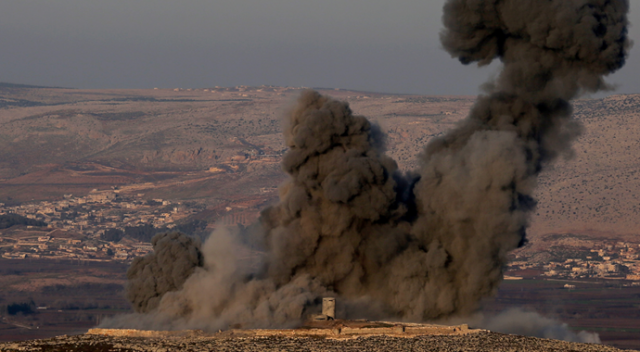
[(174, 258), (517, 321), (423, 245)]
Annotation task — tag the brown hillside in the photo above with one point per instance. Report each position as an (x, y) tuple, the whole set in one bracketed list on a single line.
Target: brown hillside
[(222, 145)]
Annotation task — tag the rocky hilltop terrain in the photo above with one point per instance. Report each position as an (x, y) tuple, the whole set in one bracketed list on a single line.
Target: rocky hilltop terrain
[(484, 341)]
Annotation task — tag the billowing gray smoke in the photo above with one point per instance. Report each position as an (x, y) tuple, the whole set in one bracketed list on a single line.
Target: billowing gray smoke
[(420, 247), (175, 256), (521, 322), (476, 186)]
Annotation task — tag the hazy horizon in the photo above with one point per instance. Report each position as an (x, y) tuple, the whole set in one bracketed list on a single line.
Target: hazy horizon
[(360, 45)]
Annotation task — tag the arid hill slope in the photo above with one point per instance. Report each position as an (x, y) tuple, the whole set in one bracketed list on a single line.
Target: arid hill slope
[(218, 142), (486, 341)]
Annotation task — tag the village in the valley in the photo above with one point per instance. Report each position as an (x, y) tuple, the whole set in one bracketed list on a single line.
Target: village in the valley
[(90, 227), (610, 260), (93, 228)]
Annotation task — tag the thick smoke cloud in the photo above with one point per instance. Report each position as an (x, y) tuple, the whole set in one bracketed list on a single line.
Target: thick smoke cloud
[(227, 292), (175, 257), (430, 244), (477, 182)]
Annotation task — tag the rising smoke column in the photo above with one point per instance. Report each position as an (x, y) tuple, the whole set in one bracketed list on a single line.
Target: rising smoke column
[(427, 245), (340, 199), (477, 182), (338, 222)]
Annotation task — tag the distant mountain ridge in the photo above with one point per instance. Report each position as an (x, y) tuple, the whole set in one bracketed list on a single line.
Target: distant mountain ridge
[(25, 86)]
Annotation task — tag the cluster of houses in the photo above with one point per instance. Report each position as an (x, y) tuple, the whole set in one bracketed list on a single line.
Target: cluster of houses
[(75, 225), (612, 260), (58, 244), (101, 210)]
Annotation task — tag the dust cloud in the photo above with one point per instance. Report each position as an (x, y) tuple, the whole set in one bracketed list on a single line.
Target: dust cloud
[(175, 257), (521, 322), (418, 246)]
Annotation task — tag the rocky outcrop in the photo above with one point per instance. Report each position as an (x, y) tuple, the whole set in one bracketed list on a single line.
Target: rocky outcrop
[(476, 342)]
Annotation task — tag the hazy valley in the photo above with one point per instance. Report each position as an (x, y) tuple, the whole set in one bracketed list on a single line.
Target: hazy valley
[(218, 145), (91, 162)]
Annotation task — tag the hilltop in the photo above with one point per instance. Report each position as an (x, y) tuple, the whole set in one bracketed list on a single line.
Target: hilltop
[(484, 341)]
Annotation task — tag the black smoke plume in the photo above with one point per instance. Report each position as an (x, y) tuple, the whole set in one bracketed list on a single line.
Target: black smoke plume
[(175, 256), (421, 247)]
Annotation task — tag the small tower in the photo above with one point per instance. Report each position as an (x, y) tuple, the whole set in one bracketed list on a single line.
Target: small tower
[(329, 307)]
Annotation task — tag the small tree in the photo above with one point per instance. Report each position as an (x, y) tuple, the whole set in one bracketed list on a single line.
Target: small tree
[(24, 308), (112, 235)]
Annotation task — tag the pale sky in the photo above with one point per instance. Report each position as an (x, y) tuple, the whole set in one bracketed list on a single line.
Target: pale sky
[(371, 45)]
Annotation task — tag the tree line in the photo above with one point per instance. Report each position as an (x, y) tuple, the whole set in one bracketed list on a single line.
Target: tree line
[(8, 220)]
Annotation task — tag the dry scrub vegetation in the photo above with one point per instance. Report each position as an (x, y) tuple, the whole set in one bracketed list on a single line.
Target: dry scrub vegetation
[(136, 136)]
